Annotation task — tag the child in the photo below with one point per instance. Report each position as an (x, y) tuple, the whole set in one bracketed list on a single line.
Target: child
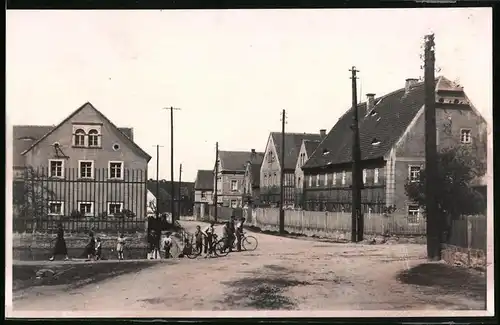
[(119, 246), (98, 249), (187, 249), (209, 232), (167, 245), (90, 248), (198, 235)]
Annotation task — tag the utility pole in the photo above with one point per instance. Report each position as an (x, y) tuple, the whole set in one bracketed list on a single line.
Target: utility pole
[(172, 191), (157, 180), (180, 179), (432, 213), (357, 218), (282, 177), (216, 180)]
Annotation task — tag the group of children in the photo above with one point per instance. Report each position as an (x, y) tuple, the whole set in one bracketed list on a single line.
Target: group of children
[(93, 250)]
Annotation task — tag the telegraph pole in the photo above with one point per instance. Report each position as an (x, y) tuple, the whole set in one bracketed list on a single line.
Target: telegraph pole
[(180, 179), (432, 213), (282, 177), (216, 199), (357, 221), (172, 191)]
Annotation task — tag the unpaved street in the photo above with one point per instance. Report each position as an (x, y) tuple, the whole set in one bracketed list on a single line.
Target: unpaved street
[(283, 273)]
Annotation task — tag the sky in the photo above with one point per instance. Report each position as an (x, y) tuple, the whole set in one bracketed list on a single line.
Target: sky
[(231, 72)]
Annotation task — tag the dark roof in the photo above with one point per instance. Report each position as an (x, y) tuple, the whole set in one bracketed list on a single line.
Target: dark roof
[(236, 160), (393, 114), (204, 180), (256, 174), (293, 142), (311, 146), (120, 131), (24, 136), (164, 195)]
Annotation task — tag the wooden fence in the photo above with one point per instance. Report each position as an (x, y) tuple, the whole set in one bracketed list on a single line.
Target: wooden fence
[(469, 232)]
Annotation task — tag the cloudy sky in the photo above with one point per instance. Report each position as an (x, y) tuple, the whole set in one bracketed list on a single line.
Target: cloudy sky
[(231, 71)]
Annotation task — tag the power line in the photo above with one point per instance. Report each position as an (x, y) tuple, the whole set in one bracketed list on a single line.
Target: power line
[(282, 178), (172, 198)]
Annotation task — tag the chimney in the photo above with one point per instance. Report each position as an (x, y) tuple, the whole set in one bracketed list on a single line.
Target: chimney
[(409, 83), (253, 151), (252, 156), (322, 133), (370, 102)]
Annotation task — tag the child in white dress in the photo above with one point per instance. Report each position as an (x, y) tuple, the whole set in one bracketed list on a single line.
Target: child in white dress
[(119, 246)]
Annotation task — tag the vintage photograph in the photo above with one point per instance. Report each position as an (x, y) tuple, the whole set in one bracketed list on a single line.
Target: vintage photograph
[(235, 163)]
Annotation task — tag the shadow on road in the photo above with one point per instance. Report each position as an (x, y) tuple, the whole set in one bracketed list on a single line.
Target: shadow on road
[(446, 279), (72, 275), (263, 291)]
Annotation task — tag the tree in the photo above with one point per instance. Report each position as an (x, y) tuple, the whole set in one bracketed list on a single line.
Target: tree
[(31, 194), (458, 168)]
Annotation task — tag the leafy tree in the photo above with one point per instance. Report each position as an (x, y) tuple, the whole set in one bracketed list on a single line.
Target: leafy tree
[(458, 168), (31, 194)]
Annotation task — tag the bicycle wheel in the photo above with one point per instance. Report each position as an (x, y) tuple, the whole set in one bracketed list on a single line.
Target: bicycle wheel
[(194, 253), (249, 243), (219, 248)]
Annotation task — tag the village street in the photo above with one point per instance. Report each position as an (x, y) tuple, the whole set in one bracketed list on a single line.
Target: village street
[(283, 273)]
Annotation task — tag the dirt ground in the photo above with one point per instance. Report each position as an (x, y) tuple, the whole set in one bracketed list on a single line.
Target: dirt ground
[(284, 274)]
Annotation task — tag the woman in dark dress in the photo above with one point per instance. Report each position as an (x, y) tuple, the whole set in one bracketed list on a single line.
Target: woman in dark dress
[(90, 248), (60, 246)]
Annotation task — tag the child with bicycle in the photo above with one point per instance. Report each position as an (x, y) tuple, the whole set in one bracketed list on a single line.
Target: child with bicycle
[(239, 234), (209, 237), (198, 239)]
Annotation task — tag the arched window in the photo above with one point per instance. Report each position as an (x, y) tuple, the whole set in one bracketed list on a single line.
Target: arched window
[(93, 138), (79, 137)]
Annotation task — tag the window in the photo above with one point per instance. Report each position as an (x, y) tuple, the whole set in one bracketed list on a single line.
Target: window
[(234, 204), (56, 208), (87, 208), (414, 173), (115, 169), (275, 179), (364, 176), (413, 214), (317, 180), (299, 182), (114, 208), (375, 176), (326, 180), (79, 140), (203, 194), (86, 168), (56, 168), (270, 157), (310, 181), (334, 178), (343, 177), (93, 138), (465, 136), (234, 185)]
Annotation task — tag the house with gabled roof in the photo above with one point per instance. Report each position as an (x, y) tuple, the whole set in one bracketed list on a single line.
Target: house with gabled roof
[(392, 147), (203, 192), (88, 166), (251, 181), (306, 150), (270, 171), (230, 176)]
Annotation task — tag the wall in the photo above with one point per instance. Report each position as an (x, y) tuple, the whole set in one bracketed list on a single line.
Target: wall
[(198, 196), (133, 161), (299, 173), (227, 194), (269, 169), (335, 225)]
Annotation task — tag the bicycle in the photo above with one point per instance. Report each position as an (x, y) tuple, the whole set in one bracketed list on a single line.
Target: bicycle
[(248, 243), (219, 246)]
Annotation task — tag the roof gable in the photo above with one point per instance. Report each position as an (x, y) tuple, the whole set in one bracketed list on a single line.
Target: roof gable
[(293, 143), (236, 160), (125, 133), (310, 146), (204, 180)]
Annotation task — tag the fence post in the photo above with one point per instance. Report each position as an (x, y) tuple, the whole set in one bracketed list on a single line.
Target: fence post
[(301, 220), (469, 235)]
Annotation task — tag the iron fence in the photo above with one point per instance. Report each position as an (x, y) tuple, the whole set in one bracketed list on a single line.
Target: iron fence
[(94, 202)]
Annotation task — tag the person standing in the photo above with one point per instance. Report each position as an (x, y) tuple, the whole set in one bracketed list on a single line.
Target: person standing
[(90, 248), (209, 237), (120, 245), (60, 246), (98, 249), (232, 233), (167, 244), (239, 233), (226, 236)]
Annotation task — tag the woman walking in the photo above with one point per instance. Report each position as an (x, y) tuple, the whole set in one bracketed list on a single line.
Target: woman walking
[(60, 246)]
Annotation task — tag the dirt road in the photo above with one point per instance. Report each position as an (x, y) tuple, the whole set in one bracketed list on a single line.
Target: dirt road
[(283, 273)]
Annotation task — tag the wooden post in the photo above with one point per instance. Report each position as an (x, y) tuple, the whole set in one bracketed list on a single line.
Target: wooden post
[(469, 235)]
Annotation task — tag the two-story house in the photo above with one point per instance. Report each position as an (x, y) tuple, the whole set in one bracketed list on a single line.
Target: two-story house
[(392, 147), (203, 193), (270, 171), (84, 165), (229, 177), (251, 182), (306, 150)]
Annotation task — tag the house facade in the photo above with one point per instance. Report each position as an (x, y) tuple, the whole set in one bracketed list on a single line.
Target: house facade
[(251, 181), (230, 177), (306, 150), (203, 193), (392, 148), (270, 172), (85, 165)]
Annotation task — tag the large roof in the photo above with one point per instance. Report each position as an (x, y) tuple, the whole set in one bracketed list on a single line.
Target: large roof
[(311, 146), (87, 104), (236, 160), (204, 180), (384, 124), (24, 136), (293, 142)]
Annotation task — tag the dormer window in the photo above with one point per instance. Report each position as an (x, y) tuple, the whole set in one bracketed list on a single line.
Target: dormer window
[(93, 138), (79, 140)]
